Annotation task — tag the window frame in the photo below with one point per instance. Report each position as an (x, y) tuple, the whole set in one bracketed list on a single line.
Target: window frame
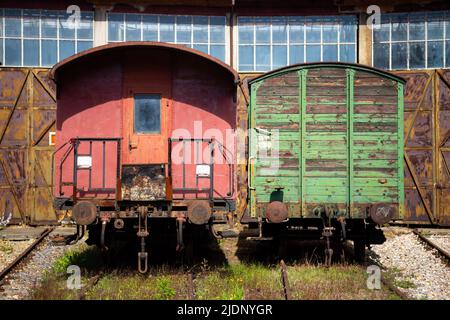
[(303, 21), (147, 133), (41, 16), (444, 40), (191, 44)]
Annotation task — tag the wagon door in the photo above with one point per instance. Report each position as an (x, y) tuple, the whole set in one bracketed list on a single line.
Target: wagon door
[(443, 146), (145, 134)]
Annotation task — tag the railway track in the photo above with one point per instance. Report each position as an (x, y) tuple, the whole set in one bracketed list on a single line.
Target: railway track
[(433, 245), (26, 253)]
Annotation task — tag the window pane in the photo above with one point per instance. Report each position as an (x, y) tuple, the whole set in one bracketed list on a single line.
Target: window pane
[(150, 28), (217, 31), (262, 26), (417, 55), (348, 30), (66, 49), (399, 56), (296, 30), (147, 113), (201, 30), (184, 29), (167, 30), (12, 23), (48, 24), (31, 23), (115, 27), (279, 30), (48, 52), (381, 34), (380, 55), (312, 53), (399, 27), (13, 54), (1, 24), (85, 28), (447, 27), (279, 56), (218, 51), (347, 53), (31, 52), (435, 54), (133, 27), (435, 29), (417, 27), (262, 58), (295, 54), (83, 45), (245, 58), (246, 31), (201, 47), (66, 26), (330, 33), (312, 33), (447, 53), (330, 53)]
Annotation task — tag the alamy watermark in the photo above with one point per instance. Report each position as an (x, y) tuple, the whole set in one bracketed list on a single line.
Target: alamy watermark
[(74, 280), (374, 280), (374, 19), (73, 21)]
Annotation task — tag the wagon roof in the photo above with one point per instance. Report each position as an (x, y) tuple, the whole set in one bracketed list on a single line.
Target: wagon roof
[(328, 64), (100, 50)]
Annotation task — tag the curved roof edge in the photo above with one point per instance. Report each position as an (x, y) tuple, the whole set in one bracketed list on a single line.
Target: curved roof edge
[(328, 64), (135, 44)]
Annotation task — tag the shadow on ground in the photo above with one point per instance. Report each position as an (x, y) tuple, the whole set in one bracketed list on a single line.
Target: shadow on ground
[(202, 250)]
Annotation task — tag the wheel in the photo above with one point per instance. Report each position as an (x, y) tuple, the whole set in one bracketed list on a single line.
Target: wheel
[(359, 249)]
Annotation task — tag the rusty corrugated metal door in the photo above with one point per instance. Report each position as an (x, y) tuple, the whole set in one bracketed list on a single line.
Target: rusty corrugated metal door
[(27, 115), (427, 128), (442, 85)]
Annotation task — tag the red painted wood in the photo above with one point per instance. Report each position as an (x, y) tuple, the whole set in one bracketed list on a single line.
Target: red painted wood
[(94, 100)]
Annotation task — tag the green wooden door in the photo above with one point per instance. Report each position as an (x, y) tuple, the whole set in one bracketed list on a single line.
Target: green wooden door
[(325, 136)]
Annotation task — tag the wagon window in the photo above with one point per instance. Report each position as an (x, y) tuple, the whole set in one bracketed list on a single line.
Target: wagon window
[(147, 113)]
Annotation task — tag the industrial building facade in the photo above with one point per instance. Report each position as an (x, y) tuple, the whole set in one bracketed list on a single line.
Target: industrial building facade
[(409, 38), (268, 36)]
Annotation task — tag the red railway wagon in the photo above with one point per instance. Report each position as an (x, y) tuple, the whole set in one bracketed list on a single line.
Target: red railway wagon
[(144, 130)]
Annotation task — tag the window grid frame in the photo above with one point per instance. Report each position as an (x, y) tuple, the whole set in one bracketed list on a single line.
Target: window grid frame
[(191, 44), (22, 38), (408, 41), (303, 21)]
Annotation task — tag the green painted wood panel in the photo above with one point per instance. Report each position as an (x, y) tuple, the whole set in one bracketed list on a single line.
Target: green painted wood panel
[(338, 135)]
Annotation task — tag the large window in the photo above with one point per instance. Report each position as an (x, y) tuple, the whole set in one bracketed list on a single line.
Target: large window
[(204, 33), (42, 37), (267, 43), (412, 41)]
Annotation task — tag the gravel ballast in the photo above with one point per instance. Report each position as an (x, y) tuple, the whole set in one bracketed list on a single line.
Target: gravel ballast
[(19, 283), (419, 271)]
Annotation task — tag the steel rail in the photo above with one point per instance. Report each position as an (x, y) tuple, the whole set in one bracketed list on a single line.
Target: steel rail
[(432, 244), (24, 254)]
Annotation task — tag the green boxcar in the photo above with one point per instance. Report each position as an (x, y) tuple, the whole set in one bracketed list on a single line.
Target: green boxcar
[(326, 138)]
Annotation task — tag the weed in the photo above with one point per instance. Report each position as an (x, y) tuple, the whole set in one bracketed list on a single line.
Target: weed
[(164, 289), (6, 247)]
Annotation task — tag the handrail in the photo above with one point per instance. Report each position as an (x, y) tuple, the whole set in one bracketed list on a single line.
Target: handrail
[(74, 144)]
